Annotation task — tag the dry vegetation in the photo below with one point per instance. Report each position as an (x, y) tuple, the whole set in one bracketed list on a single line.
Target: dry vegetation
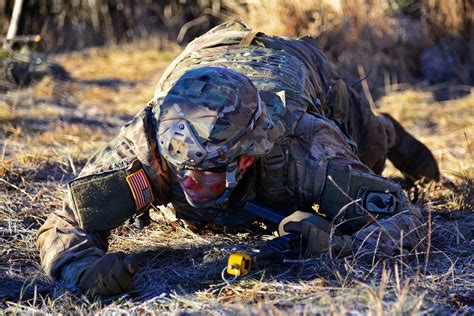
[(384, 38), (48, 131)]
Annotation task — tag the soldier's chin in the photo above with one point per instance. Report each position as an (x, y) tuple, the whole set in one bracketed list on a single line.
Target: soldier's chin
[(200, 201), (196, 199)]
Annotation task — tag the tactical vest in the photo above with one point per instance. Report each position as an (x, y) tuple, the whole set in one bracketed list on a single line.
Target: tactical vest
[(293, 79), (280, 78)]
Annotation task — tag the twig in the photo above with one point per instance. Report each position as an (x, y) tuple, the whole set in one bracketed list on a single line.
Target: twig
[(376, 247), (429, 241), (4, 149), (13, 27), (22, 39), (185, 28), (468, 145), (15, 187), (73, 167), (298, 261), (12, 231), (401, 254), (365, 87)]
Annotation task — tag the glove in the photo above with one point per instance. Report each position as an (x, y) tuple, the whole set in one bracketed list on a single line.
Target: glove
[(109, 275), (385, 237), (316, 232)]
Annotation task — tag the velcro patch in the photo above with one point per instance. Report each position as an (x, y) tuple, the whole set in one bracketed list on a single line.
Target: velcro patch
[(141, 189), (377, 196)]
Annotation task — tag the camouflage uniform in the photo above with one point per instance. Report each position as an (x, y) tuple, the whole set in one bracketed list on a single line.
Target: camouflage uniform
[(312, 160)]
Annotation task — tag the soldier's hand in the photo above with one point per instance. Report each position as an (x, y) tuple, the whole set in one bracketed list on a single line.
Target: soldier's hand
[(400, 234), (109, 275), (316, 232)]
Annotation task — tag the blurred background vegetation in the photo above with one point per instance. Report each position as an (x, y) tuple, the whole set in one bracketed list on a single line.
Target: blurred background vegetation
[(392, 42)]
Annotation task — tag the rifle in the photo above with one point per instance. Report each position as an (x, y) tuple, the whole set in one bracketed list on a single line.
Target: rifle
[(287, 247)]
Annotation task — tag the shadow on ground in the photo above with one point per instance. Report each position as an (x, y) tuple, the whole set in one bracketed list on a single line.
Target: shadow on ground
[(111, 83), (187, 270)]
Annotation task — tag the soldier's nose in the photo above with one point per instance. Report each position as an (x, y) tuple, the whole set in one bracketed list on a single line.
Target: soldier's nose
[(190, 184)]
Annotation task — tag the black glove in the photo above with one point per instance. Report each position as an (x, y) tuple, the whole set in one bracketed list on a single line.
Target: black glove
[(109, 275)]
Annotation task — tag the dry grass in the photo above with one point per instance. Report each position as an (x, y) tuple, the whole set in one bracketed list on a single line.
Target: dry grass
[(48, 131), (447, 128), (449, 17)]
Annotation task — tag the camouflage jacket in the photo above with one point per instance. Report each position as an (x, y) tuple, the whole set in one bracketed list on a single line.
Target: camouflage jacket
[(293, 176)]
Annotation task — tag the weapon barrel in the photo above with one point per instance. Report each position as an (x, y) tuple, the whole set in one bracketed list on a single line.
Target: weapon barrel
[(263, 212)]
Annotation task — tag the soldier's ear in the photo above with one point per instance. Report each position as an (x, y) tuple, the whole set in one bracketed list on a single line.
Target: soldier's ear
[(245, 162)]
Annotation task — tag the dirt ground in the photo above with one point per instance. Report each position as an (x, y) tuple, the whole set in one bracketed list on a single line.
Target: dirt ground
[(48, 131)]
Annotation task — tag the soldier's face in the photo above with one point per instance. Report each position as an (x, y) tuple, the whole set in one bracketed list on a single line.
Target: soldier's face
[(201, 186), (204, 185)]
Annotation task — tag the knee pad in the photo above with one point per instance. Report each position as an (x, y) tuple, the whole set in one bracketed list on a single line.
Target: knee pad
[(356, 198)]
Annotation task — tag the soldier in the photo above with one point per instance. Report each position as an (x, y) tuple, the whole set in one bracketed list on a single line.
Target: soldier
[(22, 70), (242, 116)]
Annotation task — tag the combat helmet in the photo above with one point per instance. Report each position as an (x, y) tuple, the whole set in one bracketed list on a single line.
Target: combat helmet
[(210, 117)]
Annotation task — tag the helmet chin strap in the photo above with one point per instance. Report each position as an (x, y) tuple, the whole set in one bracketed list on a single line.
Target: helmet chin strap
[(233, 175)]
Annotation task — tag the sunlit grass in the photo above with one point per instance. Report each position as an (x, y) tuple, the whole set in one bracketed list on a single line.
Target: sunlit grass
[(117, 63), (446, 127), (5, 112), (45, 131)]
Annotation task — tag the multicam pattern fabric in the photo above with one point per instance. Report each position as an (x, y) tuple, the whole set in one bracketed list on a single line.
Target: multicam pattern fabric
[(136, 140), (401, 234), (278, 75), (211, 116)]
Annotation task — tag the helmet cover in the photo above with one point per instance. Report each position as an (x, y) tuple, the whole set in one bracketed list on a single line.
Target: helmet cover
[(211, 116)]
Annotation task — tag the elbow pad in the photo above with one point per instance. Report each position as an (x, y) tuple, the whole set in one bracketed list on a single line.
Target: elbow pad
[(356, 198)]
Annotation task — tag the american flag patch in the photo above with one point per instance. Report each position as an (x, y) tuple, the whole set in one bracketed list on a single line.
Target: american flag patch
[(141, 189)]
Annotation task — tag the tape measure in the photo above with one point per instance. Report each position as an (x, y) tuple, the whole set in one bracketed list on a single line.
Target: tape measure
[(238, 265)]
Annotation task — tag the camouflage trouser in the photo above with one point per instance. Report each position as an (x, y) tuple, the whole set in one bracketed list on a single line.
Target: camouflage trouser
[(374, 134)]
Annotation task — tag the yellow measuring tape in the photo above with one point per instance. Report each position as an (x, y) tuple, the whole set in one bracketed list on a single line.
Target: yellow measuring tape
[(238, 265)]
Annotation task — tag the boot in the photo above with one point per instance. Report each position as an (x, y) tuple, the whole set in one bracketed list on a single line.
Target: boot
[(409, 155)]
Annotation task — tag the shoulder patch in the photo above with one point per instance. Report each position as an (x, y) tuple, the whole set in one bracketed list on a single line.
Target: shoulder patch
[(378, 201), (376, 196)]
